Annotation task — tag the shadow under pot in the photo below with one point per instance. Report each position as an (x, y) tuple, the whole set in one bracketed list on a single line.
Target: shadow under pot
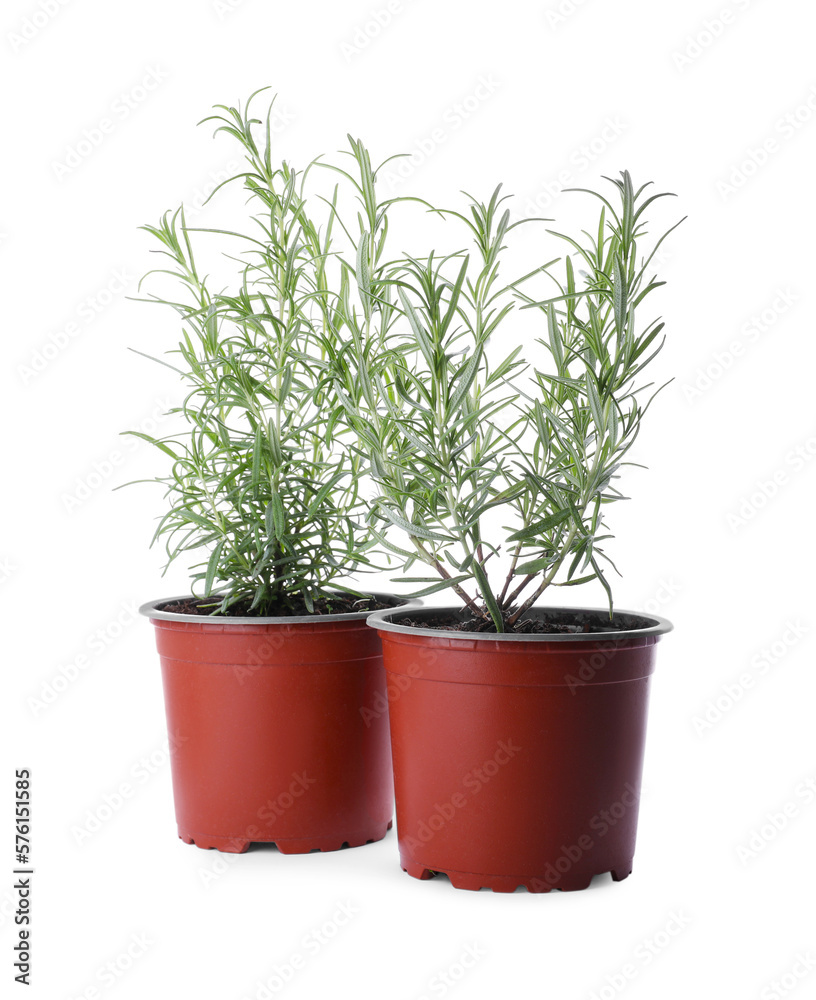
[(517, 758), (278, 729)]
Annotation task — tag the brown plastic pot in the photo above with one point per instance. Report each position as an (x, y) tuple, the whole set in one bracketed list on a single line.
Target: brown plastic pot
[(517, 758), (278, 729)]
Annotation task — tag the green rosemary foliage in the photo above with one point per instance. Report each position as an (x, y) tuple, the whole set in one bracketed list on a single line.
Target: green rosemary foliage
[(452, 430), (260, 478), (343, 401)]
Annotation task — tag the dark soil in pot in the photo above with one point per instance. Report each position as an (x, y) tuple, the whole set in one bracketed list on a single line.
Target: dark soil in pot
[(339, 604), (553, 622)]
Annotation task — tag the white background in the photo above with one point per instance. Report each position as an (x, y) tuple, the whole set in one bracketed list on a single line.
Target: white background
[(693, 95)]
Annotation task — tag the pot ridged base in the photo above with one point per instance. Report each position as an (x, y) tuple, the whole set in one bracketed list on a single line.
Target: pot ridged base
[(303, 845), (509, 883)]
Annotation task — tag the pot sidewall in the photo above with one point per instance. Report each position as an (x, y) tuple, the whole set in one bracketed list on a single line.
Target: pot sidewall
[(517, 761), (278, 732)]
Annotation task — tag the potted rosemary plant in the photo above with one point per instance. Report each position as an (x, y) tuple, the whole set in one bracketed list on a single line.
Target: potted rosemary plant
[(517, 729), (268, 666)]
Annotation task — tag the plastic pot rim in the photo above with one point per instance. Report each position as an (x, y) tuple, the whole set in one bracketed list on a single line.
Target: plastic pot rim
[(152, 610), (387, 620)]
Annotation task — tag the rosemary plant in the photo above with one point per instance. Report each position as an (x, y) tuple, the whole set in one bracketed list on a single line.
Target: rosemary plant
[(451, 431), (343, 402), (260, 480)]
